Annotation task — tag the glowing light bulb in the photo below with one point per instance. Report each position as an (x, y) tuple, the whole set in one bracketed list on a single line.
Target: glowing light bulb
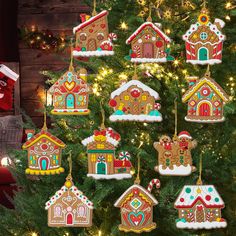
[(227, 18), (168, 31), (176, 62), (34, 234), (228, 5), (231, 79), (123, 25)]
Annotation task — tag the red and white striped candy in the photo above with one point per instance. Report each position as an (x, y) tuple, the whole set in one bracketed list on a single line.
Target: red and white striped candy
[(137, 50), (112, 36), (155, 182)]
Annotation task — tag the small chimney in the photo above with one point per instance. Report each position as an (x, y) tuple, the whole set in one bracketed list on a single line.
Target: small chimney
[(192, 80), (29, 133), (83, 17), (219, 23)]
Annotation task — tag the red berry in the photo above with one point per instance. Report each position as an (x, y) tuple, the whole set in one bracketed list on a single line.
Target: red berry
[(159, 44), (112, 103), (133, 55)]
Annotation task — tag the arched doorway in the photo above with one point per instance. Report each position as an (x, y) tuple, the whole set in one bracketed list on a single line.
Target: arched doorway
[(203, 54), (101, 168), (69, 219), (70, 101), (92, 45), (199, 213), (148, 50), (44, 163), (204, 109)]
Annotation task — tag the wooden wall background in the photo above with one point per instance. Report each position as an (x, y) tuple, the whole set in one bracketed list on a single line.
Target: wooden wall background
[(54, 15)]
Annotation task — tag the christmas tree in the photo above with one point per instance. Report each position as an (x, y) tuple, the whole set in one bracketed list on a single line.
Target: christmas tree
[(215, 141)]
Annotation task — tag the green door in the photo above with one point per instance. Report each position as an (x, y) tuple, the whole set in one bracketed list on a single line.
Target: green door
[(101, 168), (203, 54)]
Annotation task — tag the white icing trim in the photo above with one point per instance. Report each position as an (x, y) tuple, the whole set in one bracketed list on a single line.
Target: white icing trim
[(140, 188), (177, 170), (70, 110), (201, 225), (113, 176), (92, 53), (8, 72), (199, 120), (210, 62), (149, 60), (137, 83), (130, 117)]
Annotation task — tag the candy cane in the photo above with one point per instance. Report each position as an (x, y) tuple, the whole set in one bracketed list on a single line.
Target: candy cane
[(209, 215), (137, 50), (152, 182), (191, 216)]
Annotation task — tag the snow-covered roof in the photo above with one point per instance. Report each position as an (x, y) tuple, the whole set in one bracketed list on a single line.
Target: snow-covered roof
[(144, 25), (112, 137), (216, 87), (90, 20), (138, 84), (8, 72), (118, 202), (64, 189), (190, 194), (212, 27)]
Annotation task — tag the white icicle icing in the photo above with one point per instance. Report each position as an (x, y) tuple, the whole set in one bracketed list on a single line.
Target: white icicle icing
[(113, 176), (201, 225), (92, 53), (130, 117), (177, 170)]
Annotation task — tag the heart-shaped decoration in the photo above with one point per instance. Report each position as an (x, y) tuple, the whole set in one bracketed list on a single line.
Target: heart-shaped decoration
[(91, 31), (136, 218), (70, 85), (103, 26)]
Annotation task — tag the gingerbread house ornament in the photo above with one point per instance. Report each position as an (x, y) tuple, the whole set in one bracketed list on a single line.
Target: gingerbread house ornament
[(102, 162), (136, 207), (69, 207), (135, 101), (174, 155), (206, 100), (70, 93), (93, 37), (149, 44), (199, 207), (44, 153), (204, 40)]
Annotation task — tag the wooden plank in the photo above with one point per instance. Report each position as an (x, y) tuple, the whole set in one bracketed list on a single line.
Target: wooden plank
[(37, 57), (32, 91), (51, 6), (63, 21), (30, 107), (30, 73)]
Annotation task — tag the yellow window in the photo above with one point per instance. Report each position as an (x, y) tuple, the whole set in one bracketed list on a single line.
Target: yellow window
[(144, 97), (93, 157), (109, 158), (126, 97), (100, 146)]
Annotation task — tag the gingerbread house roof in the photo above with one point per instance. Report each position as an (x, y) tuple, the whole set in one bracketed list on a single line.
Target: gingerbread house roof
[(212, 27), (207, 194), (138, 84), (154, 27), (119, 202), (89, 21), (205, 80), (73, 189), (43, 134), (8, 72), (112, 137), (79, 87)]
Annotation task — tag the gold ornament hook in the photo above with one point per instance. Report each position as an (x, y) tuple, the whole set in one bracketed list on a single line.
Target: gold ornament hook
[(94, 13), (69, 159), (199, 181), (71, 67), (149, 19), (135, 76), (137, 180), (102, 127), (208, 72), (176, 118), (45, 112)]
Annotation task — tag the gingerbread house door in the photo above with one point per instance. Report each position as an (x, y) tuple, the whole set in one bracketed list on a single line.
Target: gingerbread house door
[(135, 108), (101, 168), (199, 213), (148, 51), (92, 45), (69, 219), (44, 163), (204, 109), (70, 101), (203, 54)]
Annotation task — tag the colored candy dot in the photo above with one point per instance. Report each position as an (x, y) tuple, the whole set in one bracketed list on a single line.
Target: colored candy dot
[(192, 197), (210, 189), (188, 190), (217, 199), (208, 197), (182, 199)]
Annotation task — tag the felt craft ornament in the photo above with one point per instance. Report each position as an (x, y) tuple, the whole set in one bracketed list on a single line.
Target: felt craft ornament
[(69, 207), (102, 162), (44, 152), (136, 207), (70, 93), (149, 44), (204, 40), (174, 155), (92, 36), (199, 207), (206, 100), (7, 81), (135, 101)]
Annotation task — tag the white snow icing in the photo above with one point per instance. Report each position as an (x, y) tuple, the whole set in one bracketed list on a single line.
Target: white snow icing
[(148, 60), (92, 53), (201, 225), (210, 62), (130, 117), (135, 83), (199, 120), (113, 176), (177, 170)]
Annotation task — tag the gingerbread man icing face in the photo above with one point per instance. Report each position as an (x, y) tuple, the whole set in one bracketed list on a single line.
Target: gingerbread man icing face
[(165, 139)]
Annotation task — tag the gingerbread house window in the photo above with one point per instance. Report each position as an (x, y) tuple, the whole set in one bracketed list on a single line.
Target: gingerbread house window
[(83, 37), (203, 35), (57, 211), (82, 211), (100, 36)]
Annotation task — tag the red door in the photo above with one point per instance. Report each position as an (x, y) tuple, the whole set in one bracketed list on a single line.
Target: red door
[(69, 219), (148, 50), (204, 109)]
